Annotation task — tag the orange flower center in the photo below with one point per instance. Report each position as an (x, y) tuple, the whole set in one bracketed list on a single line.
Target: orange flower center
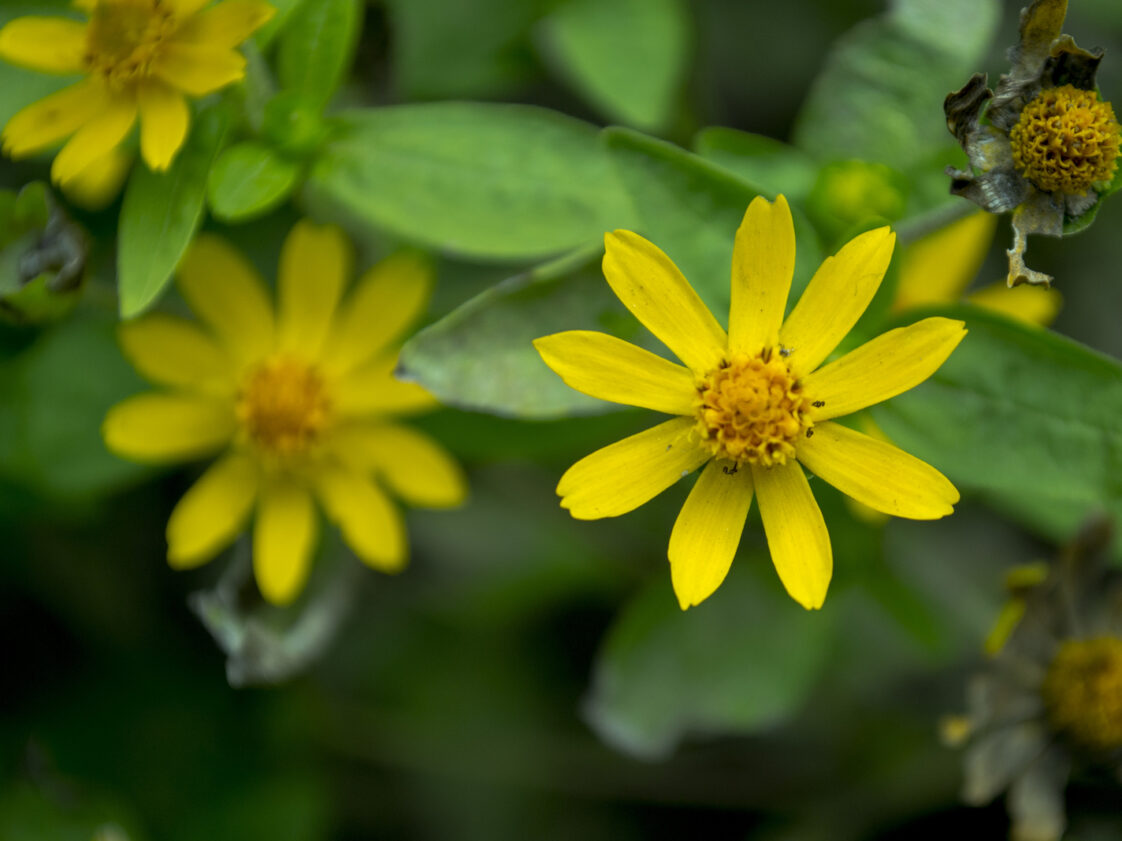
[(125, 37), (1066, 141), (752, 410), (283, 405), (1083, 691)]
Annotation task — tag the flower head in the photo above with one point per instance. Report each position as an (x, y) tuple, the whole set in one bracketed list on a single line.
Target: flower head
[(1041, 144), (300, 405), (752, 403), (140, 59)]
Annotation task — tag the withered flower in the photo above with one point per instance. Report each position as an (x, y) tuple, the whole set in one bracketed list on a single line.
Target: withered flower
[(1041, 144)]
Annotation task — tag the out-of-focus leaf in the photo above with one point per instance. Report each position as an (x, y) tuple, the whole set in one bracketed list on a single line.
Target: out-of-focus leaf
[(485, 181), (626, 56), (775, 167), (283, 13), (316, 46), (55, 813), (877, 97), (248, 180), (1022, 417), (161, 213), (742, 661)]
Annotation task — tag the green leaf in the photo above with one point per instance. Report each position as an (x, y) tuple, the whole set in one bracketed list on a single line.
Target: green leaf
[(878, 96), (160, 214), (627, 57), (483, 181), (775, 167), (284, 10), (248, 180), (1024, 418), (316, 47), (742, 661)]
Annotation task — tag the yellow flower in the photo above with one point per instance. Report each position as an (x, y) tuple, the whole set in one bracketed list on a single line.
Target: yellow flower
[(300, 405), (140, 58), (752, 403)]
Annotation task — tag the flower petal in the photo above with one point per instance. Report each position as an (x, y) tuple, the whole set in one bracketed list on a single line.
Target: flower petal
[(373, 390), (939, 267), (48, 45), (611, 369), (284, 537), (650, 285), (837, 295), (93, 142), (44, 123), (1027, 303), (95, 187), (412, 464), (173, 351), (796, 533), (184, 9), (164, 117), (624, 475), (389, 297), (225, 291), (877, 474), (315, 263), (370, 523), (881, 368), (158, 427), (225, 24), (708, 531), (763, 263), (212, 513), (198, 69)]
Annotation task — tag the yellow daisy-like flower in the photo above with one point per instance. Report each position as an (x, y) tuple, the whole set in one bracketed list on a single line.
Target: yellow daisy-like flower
[(754, 402), (140, 59), (300, 403)]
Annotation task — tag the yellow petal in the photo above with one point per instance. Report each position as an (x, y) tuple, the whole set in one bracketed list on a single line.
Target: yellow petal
[(198, 69), (284, 537), (412, 464), (184, 9), (388, 298), (370, 523), (650, 285), (164, 118), (373, 390), (96, 186), (796, 532), (225, 291), (157, 427), (173, 351), (881, 368), (1027, 303), (49, 45), (315, 263), (837, 295), (212, 513), (225, 24), (624, 475), (708, 531), (53, 118), (611, 369), (877, 474), (937, 268), (92, 143), (763, 263)]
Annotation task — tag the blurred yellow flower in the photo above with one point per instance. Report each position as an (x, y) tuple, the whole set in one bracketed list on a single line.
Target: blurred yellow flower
[(300, 404), (752, 403), (140, 58)]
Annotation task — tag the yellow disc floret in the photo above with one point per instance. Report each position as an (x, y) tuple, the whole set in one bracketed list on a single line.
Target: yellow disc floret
[(1083, 691), (751, 410), (1066, 141), (283, 405), (125, 37)]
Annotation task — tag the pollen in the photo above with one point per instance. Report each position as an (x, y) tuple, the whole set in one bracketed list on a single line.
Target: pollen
[(283, 406), (1083, 692), (1066, 141), (125, 37), (751, 410)]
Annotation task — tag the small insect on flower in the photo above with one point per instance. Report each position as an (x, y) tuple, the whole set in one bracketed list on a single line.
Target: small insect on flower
[(749, 410)]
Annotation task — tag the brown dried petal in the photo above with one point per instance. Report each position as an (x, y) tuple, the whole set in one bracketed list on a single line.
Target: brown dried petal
[(1036, 798), (963, 108), (1070, 64), (997, 191), (1041, 214)]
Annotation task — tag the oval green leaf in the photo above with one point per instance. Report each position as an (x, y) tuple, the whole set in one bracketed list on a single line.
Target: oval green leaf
[(316, 46), (248, 180)]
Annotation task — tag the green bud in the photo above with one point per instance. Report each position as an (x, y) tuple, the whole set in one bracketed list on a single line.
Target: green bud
[(293, 125), (850, 195)]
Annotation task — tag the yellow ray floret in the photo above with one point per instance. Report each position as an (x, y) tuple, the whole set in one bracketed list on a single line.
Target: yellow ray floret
[(756, 404)]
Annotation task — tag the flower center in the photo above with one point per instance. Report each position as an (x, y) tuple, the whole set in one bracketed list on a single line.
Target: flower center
[(1083, 691), (125, 37), (751, 410), (283, 405), (1066, 141)]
